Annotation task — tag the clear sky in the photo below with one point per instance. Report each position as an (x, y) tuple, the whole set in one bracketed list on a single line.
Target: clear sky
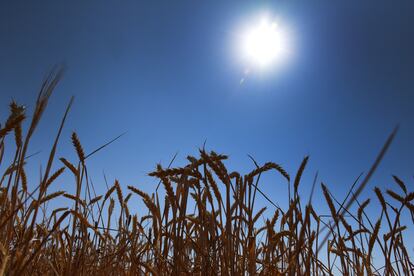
[(169, 74)]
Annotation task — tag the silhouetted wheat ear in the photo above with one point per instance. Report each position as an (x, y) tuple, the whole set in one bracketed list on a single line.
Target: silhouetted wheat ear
[(119, 193), (300, 172), (79, 150)]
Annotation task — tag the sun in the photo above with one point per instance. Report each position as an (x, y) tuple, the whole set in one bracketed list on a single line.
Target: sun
[(264, 44)]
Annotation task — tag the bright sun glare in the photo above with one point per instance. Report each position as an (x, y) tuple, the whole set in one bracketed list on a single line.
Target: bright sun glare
[(264, 44)]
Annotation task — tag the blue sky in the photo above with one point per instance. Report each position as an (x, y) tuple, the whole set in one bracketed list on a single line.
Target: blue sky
[(168, 73)]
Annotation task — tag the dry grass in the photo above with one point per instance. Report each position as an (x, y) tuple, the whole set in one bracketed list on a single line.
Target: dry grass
[(207, 223)]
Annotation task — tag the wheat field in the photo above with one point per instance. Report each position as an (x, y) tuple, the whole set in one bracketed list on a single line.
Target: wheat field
[(201, 220)]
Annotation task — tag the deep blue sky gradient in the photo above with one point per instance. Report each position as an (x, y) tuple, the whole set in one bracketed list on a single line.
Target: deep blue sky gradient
[(168, 74)]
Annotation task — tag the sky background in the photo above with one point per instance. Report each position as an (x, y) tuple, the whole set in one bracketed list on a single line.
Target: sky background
[(169, 74)]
